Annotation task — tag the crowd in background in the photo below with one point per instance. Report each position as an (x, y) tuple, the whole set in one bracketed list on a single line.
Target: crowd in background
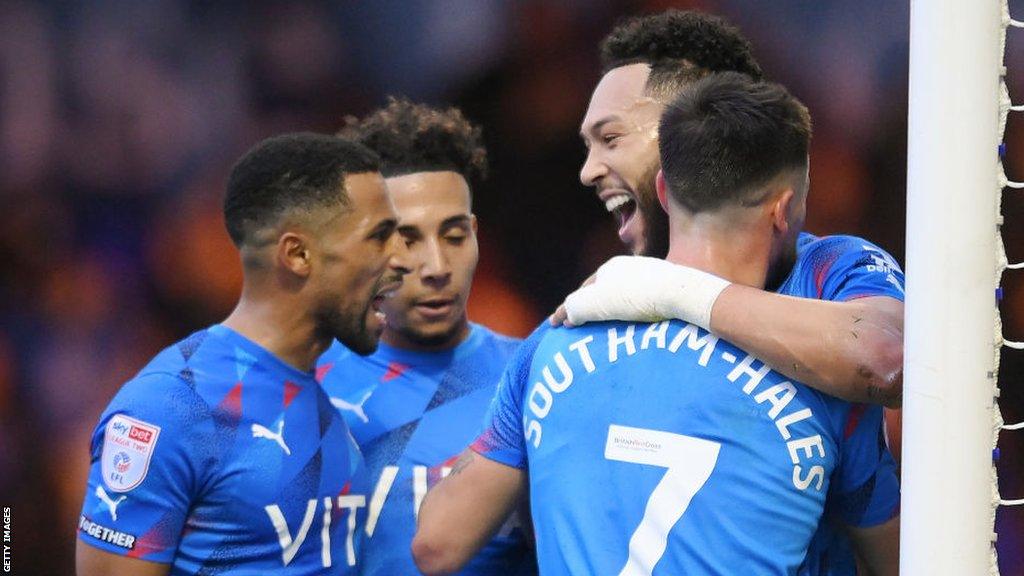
[(119, 121)]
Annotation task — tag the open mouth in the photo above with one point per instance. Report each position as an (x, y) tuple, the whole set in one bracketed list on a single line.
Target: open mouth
[(385, 293), (375, 307), (623, 206)]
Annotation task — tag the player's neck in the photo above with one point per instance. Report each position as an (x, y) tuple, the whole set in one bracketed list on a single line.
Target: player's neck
[(739, 254), (401, 341), (283, 330)]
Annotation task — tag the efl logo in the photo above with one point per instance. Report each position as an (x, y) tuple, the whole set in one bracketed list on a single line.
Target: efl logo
[(122, 462), (144, 436)]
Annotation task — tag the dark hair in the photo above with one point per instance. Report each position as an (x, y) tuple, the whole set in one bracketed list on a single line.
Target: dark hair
[(288, 172), (681, 46), (416, 138), (727, 137)]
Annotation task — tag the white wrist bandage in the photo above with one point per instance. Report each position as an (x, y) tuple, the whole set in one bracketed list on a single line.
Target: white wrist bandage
[(646, 289)]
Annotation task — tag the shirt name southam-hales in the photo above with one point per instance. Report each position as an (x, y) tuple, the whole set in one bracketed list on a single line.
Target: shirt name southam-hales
[(622, 344)]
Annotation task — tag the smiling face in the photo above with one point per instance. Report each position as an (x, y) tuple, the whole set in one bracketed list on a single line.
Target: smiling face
[(620, 131), (361, 262), (435, 221)]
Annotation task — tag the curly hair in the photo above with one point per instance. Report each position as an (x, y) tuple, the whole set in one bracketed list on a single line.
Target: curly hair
[(416, 138), (681, 46)]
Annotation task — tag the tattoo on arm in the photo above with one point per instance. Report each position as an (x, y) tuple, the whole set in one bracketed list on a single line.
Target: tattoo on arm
[(464, 460)]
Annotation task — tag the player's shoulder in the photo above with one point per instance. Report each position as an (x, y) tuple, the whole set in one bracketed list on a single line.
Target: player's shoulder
[(154, 405), (495, 341), (523, 353), (545, 331), (201, 348), (836, 245), (168, 385), (810, 243), (824, 264), (549, 338), (158, 394), (170, 367)]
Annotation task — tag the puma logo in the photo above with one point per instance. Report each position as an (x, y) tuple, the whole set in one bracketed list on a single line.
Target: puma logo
[(357, 408), (259, 431), (111, 504)]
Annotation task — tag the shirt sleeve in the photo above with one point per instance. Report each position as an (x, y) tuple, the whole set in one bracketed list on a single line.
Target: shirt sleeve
[(848, 268), (503, 438), (145, 469), (865, 490)]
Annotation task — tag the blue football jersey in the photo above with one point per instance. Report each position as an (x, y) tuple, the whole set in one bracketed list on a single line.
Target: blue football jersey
[(412, 414), (219, 458), (660, 449), (839, 268)]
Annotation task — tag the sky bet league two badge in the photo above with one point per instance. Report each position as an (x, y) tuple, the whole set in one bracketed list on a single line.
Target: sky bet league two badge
[(128, 446)]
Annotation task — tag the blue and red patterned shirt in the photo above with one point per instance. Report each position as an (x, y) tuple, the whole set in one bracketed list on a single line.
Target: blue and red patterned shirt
[(839, 268), (412, 414), (219, 458)]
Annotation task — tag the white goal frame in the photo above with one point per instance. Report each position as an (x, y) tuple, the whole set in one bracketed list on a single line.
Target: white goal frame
[(951, 337)]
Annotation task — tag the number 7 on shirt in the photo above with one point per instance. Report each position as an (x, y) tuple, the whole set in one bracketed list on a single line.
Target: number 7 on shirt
[(689, 461)]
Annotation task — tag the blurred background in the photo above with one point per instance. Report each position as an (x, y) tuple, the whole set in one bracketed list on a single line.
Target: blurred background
[(120, 119)]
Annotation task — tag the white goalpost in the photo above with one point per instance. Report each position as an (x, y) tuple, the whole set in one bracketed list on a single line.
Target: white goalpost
[(952, 339)]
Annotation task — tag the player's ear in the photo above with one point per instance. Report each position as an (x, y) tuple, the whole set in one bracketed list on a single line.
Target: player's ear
[(662, 189), (472, 223), (782, 209), (293, 253)]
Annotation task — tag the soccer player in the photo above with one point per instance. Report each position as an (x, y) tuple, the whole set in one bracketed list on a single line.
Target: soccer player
[(844, 343), (223, 455), (660, 448), (416, 403), (850, 347)]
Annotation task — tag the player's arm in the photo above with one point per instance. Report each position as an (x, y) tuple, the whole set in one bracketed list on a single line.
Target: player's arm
[(848, 343), (878, 547), (91, 561), (464, 511), (145, 465), (852, 350), (865, 492)]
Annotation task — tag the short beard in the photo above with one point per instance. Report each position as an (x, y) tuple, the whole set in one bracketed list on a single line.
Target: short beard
[(656, 236), (349, 329), (779, 270)]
